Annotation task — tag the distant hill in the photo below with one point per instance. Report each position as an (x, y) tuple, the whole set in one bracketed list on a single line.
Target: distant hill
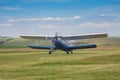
[(113, 41), (6, 42), (19, 42)]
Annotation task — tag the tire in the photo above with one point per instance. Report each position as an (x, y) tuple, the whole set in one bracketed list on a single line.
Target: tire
[(67, 52), (50, 52)]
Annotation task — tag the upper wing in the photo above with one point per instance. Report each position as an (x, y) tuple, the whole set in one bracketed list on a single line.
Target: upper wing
[(88, 36), (36, 37), (70, 37)]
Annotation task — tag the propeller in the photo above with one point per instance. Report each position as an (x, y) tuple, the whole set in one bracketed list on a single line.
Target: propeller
[(53, 40), (56, 34)]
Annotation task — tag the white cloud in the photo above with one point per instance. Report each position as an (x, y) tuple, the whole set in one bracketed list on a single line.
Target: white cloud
[(52, 19), (100, 25), (11, 8), (117, 14), (5, 24), (76, 17), (47, 26), (103, 15), (44, 19)]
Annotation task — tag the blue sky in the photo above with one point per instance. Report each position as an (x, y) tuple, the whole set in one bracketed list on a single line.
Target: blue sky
[(45, 17)]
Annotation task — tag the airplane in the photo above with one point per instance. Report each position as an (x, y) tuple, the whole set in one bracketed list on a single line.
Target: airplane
[(61, 42)]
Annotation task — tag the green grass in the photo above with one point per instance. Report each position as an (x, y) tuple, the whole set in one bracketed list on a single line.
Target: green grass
[(27, 64)]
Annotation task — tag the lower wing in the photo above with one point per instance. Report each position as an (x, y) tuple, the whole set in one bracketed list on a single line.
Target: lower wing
[(41, 47), (82, 46)]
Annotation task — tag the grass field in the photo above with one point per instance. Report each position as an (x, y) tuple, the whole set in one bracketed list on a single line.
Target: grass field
[(102, 63)]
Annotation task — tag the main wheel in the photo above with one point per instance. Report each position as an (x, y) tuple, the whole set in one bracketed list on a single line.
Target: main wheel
[(67, 52), (50, 52)]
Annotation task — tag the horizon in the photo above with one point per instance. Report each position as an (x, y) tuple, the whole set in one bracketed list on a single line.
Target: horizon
[(45, 17)]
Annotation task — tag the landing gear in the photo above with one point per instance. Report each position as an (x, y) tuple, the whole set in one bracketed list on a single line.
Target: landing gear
[(50, 52), (68, 52)]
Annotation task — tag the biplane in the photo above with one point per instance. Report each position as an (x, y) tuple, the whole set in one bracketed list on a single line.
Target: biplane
[(61, 42)]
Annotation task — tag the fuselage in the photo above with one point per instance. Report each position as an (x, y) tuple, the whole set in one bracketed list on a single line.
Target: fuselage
[(59, 43)]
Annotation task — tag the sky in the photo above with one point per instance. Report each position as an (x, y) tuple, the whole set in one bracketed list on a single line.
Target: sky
[(45, 17)]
